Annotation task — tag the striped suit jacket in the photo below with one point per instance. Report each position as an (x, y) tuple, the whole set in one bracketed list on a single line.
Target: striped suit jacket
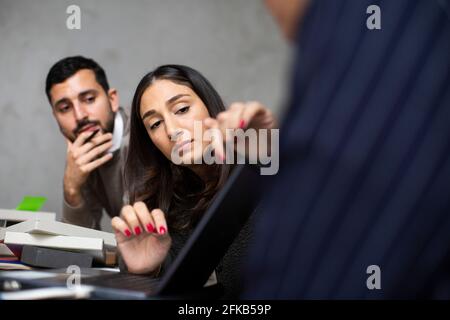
[(364, 173)]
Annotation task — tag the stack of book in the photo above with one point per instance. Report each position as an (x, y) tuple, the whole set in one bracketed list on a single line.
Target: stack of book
[(35, 239)]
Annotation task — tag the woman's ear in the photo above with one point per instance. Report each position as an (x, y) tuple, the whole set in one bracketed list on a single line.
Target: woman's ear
[(113, 97)]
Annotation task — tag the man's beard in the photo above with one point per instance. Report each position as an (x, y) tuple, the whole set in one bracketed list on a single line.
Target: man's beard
[(109, 127)]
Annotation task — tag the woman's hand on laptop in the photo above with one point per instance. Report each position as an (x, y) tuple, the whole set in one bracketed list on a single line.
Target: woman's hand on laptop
[(142, 238)]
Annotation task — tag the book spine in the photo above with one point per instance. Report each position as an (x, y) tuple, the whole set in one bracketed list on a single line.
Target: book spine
[(52, 258)]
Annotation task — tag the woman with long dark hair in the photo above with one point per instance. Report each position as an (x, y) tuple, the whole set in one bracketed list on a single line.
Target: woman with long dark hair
[(169, 104)]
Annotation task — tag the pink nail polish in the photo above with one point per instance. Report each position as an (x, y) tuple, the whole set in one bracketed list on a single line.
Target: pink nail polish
[(137, 230), (150, 228), (162, 230), (242, 124), (127, 233)]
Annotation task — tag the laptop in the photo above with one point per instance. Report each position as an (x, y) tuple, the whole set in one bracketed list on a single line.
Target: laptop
[(197, 260)]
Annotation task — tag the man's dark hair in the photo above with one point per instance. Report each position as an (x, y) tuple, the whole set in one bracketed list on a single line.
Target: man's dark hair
[(67, 67)]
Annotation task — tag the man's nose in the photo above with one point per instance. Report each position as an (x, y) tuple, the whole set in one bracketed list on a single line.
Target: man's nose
[(79, 111)]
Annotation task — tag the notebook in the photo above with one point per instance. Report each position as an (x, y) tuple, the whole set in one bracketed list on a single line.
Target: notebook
[(54, 258), (93, 246), (63, 229), (19, 215)]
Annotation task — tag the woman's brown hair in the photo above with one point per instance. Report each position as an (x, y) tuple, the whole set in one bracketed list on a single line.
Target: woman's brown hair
[(152, 178)]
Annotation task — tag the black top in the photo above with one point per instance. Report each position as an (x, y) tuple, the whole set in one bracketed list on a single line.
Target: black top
[(229, 270)]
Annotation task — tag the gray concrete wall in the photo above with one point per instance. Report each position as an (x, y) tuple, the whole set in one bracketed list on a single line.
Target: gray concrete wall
[(234, 43)]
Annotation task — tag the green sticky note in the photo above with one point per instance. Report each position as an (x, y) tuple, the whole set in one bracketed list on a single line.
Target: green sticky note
[(31, 203)]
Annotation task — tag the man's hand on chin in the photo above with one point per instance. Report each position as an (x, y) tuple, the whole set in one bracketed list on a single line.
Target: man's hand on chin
[(84, 155)]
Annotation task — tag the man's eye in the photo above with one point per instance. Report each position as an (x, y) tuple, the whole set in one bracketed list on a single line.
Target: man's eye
[(155, 125), (90, 99), (183, 110), (63, 109)]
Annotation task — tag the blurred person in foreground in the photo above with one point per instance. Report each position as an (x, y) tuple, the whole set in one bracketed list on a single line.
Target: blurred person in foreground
[(360, 206)]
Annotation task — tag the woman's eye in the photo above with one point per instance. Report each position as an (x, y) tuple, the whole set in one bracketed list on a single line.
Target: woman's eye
[(155, 125), (183, 110)]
